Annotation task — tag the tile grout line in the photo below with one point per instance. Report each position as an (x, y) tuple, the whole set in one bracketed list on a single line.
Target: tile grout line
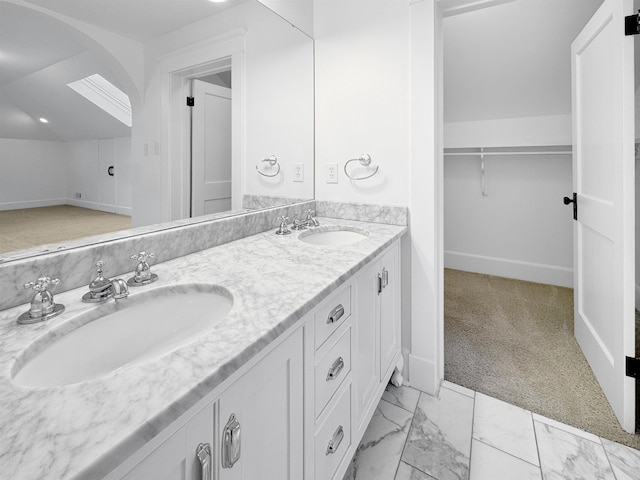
[(535, 437), (606, 454), (473, 423), (413, 416), (507, 453)]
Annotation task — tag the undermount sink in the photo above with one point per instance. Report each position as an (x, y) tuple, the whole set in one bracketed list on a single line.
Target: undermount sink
[(119, 334), (334, 235)]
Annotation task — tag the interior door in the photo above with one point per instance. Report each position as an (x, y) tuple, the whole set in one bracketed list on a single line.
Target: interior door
[(603, 179), (210, 149)]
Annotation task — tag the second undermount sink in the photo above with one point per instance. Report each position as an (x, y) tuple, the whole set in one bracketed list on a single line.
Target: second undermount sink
[(334, 235), (118, 334)]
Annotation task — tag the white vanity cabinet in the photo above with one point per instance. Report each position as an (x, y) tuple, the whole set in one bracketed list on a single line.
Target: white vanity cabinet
[(266, 405), (377, 331), (177, 458), (299, 412)]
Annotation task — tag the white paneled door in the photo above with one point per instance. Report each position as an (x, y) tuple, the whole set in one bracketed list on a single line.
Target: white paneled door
[(210, 149), (603, 178)]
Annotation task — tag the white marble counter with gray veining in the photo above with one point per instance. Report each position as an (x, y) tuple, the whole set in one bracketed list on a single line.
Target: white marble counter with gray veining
[(84, 430)]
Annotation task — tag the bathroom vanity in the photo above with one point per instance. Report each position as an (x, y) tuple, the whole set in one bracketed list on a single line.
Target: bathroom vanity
[(282, 387)]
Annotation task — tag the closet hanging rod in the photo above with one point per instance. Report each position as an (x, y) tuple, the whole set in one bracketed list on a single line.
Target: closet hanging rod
[(505, 153)]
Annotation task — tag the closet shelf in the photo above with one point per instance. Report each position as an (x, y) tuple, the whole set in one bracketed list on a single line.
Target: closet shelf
[(483, 152), (508, 151)]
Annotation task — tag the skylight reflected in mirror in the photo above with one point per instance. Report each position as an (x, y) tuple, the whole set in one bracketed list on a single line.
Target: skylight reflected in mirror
[(105, 95)]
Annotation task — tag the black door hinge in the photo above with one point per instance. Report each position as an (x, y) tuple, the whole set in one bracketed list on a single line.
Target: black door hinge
[(573, 200), (632, 24), (633, 367), (190, 101)]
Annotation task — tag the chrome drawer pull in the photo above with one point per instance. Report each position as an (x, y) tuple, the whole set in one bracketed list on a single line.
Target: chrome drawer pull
[(335, 369), (335, 442), (231, 442), (335, 314), (203, 452), (385, 277)]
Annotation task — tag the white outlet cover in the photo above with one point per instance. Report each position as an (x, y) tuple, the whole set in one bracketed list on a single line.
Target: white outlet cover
[(332, 173), (298, 172)]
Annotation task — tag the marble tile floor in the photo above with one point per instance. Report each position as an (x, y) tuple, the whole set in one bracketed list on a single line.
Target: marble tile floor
[(465, 435)]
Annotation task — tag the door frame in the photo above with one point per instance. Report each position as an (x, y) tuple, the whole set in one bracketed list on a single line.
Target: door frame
[(177, 70)]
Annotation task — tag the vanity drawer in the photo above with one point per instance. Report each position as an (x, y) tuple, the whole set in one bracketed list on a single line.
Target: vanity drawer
[(333, 438), (331, 370), (331, 314)]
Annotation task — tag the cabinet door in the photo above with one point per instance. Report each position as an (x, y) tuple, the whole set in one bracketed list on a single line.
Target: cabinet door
[(389, 310), (267, 403), (176, 458), (365, 354)]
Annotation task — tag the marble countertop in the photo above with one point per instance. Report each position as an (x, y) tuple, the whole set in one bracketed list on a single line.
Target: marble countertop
[(84, 430)]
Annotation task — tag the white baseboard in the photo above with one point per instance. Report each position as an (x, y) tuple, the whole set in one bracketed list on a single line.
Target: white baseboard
[(123, 211), (422, 375), (98, 206), (32, 204), (75, 202), (532, 272)]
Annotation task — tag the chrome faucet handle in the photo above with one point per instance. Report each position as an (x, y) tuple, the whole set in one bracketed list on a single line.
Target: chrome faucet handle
[(283, 229), (142, 274), (298, 224), (99, 283), (42, 283), (42, 305), (142, 256)]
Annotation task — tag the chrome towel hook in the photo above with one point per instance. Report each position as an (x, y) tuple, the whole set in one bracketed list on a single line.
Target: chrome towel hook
[(365, 161), (271, 160)]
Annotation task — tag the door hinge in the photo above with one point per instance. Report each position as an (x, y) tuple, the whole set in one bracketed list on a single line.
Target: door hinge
[(573, 200), (633, 367), (632, 24), (191, 101)]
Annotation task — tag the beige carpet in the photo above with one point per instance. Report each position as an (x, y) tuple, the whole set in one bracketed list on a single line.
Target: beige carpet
[(513, 340), (31, 227)]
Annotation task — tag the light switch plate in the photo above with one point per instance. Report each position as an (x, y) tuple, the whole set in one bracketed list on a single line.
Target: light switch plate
[(332, 173), (298, 172)]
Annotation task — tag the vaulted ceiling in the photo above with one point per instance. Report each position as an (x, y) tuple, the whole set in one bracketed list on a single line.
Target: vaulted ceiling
[(40, 55)]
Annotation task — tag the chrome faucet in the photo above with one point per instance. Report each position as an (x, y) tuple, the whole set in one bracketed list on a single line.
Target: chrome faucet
[(284, 228), (310, 221), (307, 222), (298, 224), (42, 305), (102, 289)]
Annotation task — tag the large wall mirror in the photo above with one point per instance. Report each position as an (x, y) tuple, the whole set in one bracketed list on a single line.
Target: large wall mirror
[(247, 143)]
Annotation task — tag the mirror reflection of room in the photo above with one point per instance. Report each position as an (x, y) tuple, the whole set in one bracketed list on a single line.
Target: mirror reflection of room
[(87, 173), (66, 162)]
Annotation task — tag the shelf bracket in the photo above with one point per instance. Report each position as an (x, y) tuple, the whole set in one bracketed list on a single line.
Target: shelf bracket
[(483, 169)]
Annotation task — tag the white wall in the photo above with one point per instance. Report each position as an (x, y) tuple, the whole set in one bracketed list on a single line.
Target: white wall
[(521, 229), (509, 132), (363, 61), (87, 163), (277, 100), (33, 173), (298, 12), (378, 74), (42, 173)]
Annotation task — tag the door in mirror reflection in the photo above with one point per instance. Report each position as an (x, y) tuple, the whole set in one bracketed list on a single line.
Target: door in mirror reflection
[(210, 149)]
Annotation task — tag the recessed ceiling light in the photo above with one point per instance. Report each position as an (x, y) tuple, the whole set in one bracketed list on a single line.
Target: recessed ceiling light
[(43, 120), (218, 1)]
